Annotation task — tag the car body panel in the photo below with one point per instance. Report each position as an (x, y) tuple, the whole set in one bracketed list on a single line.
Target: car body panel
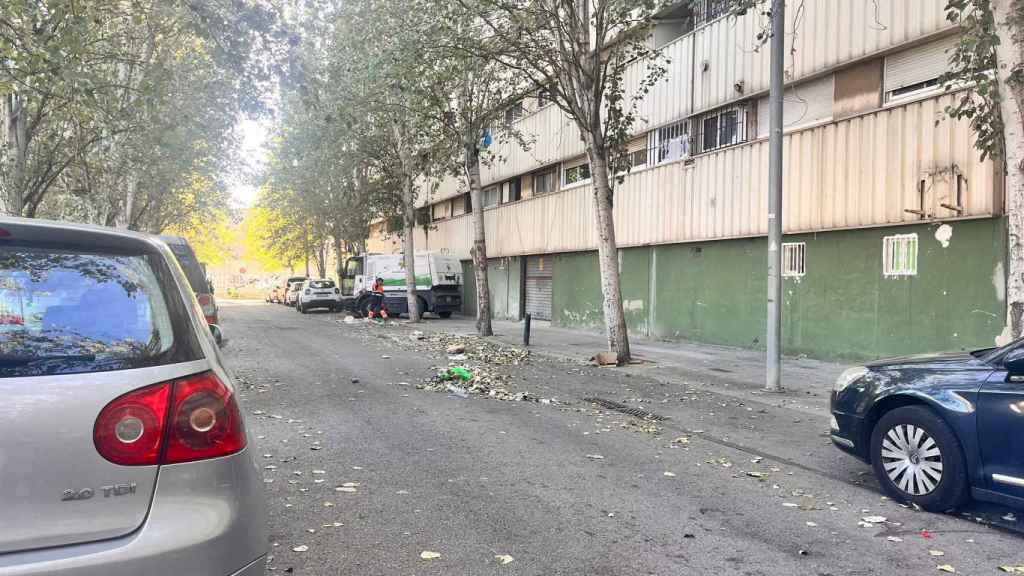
[(196, 276), (1001, 424), (310, 297), (969, 392), (206, 517), (39, 463)]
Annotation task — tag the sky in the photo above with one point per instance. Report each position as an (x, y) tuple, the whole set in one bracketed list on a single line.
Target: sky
[(253, 136)]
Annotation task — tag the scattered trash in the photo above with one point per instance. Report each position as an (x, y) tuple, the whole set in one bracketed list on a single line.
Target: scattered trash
[(385, 357), (894, 539), (301, 548), (455, 349), (1012, 569), (417, 335), (669, 474), (946, 568), (936, 553), (428, 555), (811, 524), (355, 380), (595, 456), (874, 519), (504, 559), (458, 373), (790, 505), (348, 489), (926, 534), (604, 359), (682, 440), (350, 320), (1010, 517), (460, 392)]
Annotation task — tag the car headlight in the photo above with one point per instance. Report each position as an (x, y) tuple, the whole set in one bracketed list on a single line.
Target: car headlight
[(848, 377)]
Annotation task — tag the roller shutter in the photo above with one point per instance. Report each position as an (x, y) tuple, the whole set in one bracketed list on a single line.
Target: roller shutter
[(538, 287)]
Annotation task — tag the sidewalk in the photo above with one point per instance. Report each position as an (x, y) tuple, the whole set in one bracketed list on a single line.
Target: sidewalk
[(722, 369)]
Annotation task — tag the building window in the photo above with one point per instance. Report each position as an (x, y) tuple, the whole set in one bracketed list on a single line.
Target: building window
[(899, 255), (575, 174), (803, 105), (672, 142), (459, 205), (441, 210), (492, 196), (514, 113), (544, 98), (720, 128), (917, 71), (704, 11), (794, 259), (545, 181), (511, 191), (467, 200)]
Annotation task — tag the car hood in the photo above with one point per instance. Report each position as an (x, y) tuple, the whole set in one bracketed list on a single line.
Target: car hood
[(946, 361)]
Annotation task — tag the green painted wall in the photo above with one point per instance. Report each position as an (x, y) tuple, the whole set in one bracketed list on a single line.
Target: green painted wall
[(842, 308), (504, 280)]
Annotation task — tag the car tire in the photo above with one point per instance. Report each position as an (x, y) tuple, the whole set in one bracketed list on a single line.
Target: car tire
[(301, 309), (445, 314), (918, 459)]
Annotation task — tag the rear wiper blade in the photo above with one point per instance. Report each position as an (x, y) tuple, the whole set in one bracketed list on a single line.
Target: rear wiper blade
[(11, 360)]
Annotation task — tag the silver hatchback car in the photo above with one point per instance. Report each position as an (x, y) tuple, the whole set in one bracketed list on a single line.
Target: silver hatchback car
[(123, 451)]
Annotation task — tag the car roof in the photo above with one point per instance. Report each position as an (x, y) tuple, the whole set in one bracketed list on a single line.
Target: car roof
[(74, 234)]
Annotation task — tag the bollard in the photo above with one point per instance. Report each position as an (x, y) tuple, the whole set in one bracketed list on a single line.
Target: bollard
[(526, 331)]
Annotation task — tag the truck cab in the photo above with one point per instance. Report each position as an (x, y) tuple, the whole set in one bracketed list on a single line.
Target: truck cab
[(438, 283)]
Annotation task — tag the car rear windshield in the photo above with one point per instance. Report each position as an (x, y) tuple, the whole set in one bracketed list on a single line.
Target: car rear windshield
[(65, 312), (320, 284), (192, 268)]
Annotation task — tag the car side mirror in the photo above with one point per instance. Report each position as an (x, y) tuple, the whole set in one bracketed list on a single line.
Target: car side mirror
[(1014, 365), (218, 335)]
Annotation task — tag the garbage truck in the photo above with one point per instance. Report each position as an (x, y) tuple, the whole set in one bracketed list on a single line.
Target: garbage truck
[(438, 283)]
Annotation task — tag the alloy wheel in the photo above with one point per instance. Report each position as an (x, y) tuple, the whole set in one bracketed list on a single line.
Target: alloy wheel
[(912, 459)]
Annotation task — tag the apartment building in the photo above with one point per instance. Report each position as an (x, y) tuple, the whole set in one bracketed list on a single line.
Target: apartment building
[(894, 240)]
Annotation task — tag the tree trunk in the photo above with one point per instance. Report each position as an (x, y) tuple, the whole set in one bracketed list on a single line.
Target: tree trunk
[(339, 263), (479, 251), (124, 217), (1010, 57), (409, 251), (608, 256), (16, 136), (321, 260), (409, 217), (305, 247)]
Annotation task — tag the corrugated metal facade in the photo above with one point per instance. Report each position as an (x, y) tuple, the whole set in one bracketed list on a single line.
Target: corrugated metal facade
[(705, 67), (881, 168)]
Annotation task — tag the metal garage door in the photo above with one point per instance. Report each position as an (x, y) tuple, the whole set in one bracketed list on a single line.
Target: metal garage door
[(538, 287)]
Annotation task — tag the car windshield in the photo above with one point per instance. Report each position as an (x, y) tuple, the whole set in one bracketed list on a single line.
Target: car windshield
[(320, 284), (64, 312)]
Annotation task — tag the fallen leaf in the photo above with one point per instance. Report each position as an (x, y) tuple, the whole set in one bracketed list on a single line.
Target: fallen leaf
[(348, 489), (946, 568), (874, 519), (428, 555), (894, 539), (1012, 569), (936, 553), (301, 548), (504, 559)]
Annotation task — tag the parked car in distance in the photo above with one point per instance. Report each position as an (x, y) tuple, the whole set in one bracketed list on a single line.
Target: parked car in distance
[(274, 296), (322, 293), (138, 461), (288, 285), (201, 285), (291, 297), (938, 429)]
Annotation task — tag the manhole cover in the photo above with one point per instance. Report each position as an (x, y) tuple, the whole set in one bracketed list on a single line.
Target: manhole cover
[(616, 406)]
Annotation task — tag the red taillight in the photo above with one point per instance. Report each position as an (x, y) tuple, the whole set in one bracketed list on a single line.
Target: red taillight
[(130, 430), (208, 304), (203, 422)]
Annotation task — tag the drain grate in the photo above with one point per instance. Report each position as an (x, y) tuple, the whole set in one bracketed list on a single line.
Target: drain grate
[(638, 412)]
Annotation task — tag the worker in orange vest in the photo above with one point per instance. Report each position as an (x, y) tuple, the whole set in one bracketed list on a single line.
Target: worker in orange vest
[(377, 300)]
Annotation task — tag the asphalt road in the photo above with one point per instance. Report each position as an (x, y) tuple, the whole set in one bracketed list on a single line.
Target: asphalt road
[(365, 473)]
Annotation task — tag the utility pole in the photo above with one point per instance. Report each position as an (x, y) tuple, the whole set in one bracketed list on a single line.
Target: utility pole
[(773, 381)]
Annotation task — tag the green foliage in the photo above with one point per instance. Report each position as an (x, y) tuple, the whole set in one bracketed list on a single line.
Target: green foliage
[(973, 64)]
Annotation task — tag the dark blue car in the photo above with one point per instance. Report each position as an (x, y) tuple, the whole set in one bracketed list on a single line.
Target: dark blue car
[(938, 429)]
